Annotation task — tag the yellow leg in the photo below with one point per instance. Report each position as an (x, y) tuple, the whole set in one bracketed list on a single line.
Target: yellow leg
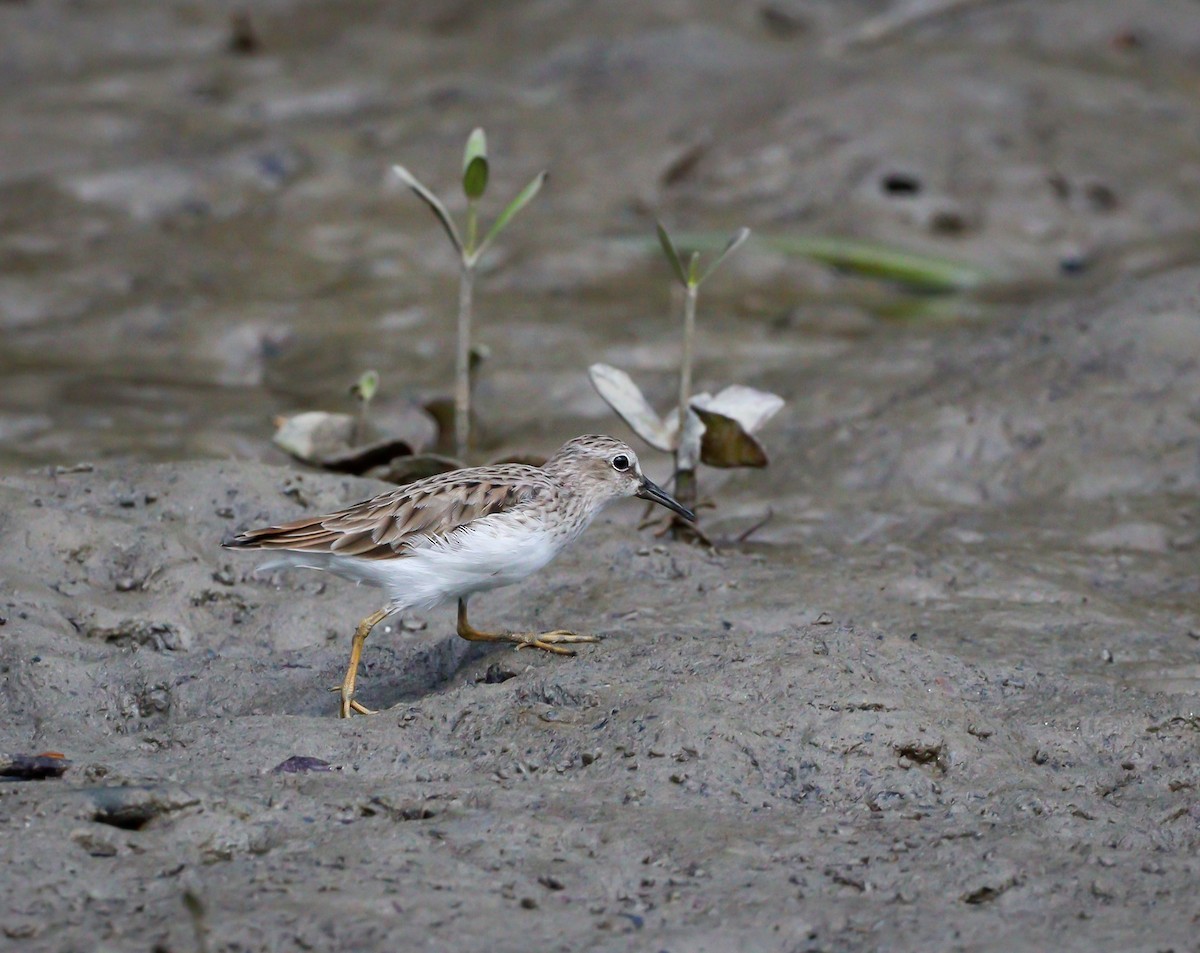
[(356, 647), (547, 641)]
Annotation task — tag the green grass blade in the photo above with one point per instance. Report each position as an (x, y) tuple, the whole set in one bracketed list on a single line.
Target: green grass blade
[(916, 270)]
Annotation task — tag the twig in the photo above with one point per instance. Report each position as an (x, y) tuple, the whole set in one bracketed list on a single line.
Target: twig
[(746, 534), (898, 19)]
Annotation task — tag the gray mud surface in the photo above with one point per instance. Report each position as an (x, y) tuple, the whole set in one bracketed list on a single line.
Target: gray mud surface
[(945, 699)]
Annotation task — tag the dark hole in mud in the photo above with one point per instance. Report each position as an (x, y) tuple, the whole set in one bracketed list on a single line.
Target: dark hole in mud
[(399, 810), (496, 674), (132, 808), (900, 184), (130, 818)]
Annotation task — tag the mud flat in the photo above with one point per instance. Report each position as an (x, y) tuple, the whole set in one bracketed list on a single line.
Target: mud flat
[(946, 698), (973, 728)]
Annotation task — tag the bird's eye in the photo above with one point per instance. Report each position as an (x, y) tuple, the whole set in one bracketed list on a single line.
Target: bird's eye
[(620, 463)]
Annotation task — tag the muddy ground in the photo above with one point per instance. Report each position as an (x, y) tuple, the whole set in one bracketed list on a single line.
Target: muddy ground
[(946, 698)]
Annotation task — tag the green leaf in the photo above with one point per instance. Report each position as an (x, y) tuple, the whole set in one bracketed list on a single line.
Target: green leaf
[(366, 386), (693, 269), (433, 202), (668, 247), (476, 147), (733, 245), (931, 274), (475, 165), (524, 197), (924, 272)]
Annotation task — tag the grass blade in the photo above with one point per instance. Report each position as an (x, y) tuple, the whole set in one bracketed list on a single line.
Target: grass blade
[(916, 270)]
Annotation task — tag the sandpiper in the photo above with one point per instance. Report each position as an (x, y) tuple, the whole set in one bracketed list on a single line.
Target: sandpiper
[(452, 535)]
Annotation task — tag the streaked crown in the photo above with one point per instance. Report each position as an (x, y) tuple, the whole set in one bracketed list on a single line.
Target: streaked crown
[(598, 466)]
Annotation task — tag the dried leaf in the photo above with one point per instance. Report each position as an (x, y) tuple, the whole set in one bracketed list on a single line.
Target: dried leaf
[(358, 460), (314, 435), (326, 440), (33, 767), (626, 398), (750, 407), (726, 444), (404, 470), (299, 764)]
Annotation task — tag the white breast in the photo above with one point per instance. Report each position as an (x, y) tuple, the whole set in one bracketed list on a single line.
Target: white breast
[(491, 552)]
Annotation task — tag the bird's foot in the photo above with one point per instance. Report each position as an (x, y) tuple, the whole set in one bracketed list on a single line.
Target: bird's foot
[(676, 526), (679, 529), (549, 641), (350, 705)]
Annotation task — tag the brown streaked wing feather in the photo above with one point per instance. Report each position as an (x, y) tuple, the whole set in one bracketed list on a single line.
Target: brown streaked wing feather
[(381, 528)]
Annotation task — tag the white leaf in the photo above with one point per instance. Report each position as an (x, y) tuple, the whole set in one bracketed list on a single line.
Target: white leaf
[(623, 395), (314, 435), (749, 407)]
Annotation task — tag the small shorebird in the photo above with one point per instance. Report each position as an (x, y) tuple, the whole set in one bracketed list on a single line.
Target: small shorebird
[(452, 535)]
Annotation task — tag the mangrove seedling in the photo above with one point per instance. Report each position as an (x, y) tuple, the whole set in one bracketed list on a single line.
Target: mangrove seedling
[(470, 249), (363, 390), (703, 428)]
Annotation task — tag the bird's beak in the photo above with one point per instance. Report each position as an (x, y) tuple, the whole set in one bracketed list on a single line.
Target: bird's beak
[(656, 494)]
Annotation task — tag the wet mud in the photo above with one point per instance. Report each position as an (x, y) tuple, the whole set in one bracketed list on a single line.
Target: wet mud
[(944, 698)]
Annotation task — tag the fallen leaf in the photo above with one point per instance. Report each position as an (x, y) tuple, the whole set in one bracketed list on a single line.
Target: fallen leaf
[(726, 444), (404, 470), (314, 435), (327, 440), (298, 764), (33, 767), (750, 407)]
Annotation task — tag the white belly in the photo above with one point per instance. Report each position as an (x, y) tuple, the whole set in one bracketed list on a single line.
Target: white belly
[(477, 562), (489, 555)]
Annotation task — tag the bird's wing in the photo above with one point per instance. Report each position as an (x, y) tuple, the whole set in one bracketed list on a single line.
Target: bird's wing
[(390, 524)]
